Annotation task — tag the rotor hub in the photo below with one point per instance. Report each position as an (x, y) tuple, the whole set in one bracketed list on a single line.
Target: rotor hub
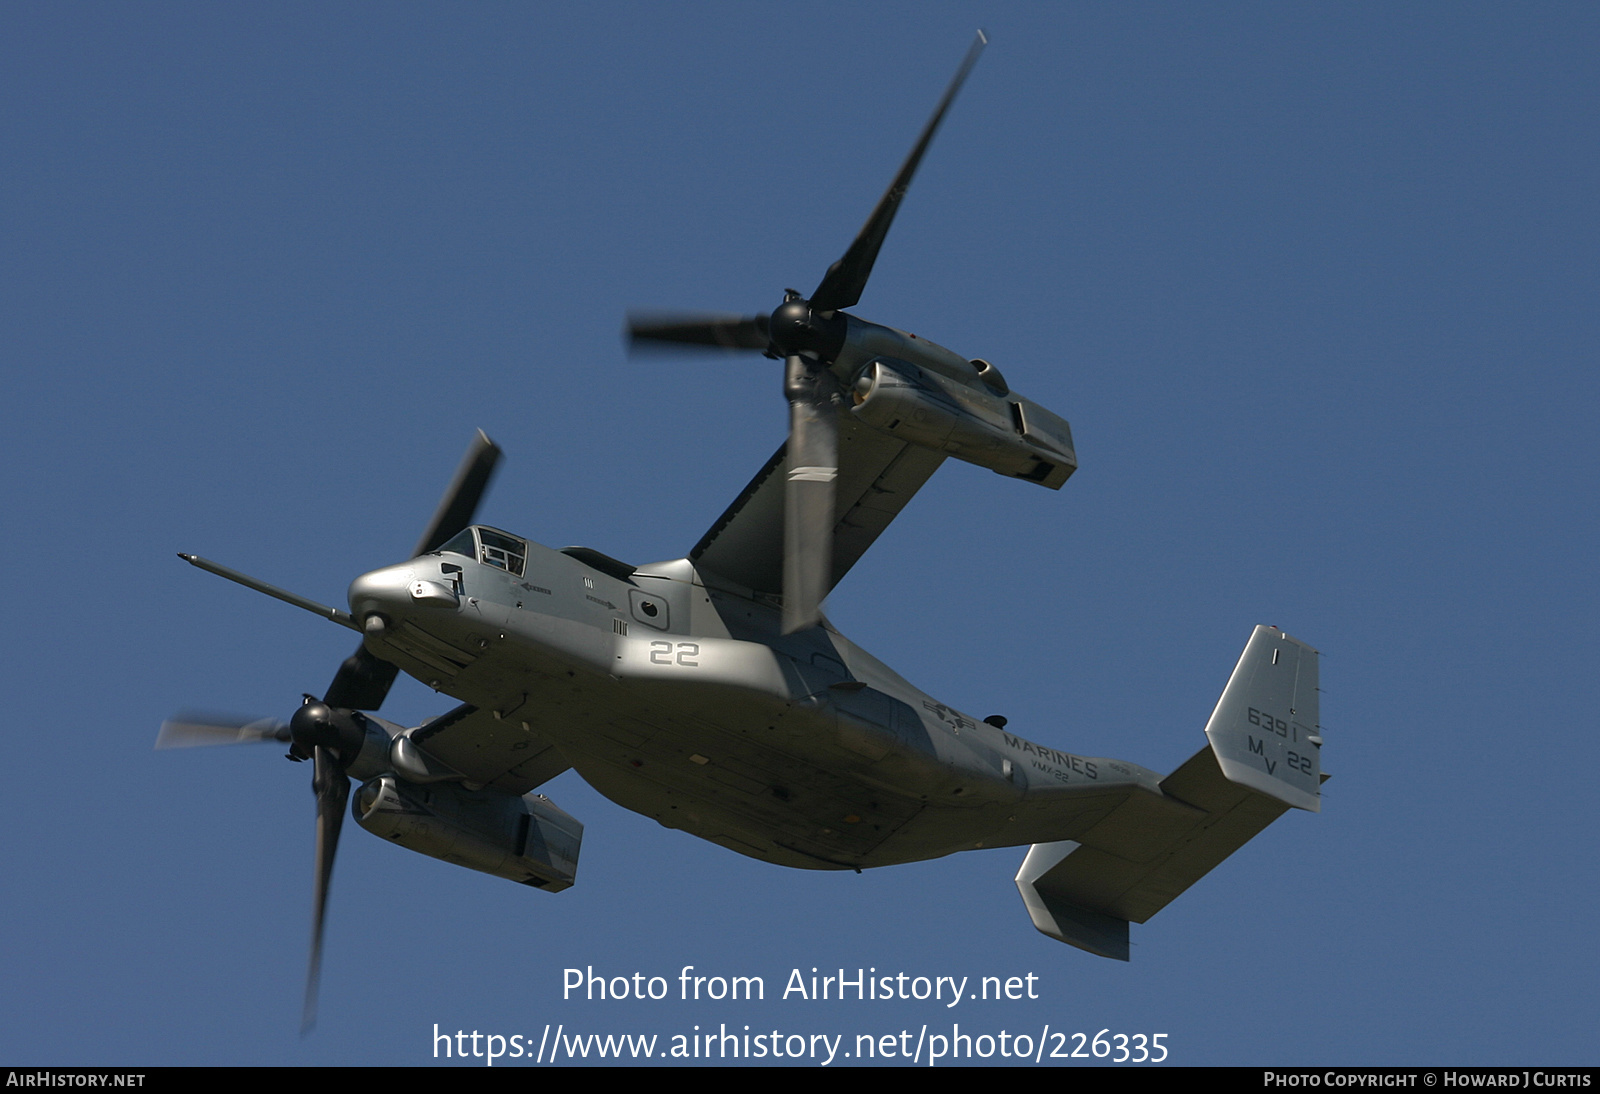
[(318, 725), (795, 328), (312, 725)]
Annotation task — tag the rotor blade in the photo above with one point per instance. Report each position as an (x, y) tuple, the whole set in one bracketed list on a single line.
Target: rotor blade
[(808, 495), (332, 788), (197, 729), (678, 330), (842, 285), (461, 500), (362, 682)]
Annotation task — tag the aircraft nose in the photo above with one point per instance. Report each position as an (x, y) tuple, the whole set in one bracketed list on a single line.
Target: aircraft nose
[(381, 592)]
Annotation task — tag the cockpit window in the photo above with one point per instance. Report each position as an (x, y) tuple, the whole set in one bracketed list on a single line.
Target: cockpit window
[(461, 544), (490, 547), (506, 552)]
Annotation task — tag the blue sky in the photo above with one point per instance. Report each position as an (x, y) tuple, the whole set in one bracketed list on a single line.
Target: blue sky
[(1315, 284)]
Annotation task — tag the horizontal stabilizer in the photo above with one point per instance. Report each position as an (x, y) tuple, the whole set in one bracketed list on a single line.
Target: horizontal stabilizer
[(1143, 854)]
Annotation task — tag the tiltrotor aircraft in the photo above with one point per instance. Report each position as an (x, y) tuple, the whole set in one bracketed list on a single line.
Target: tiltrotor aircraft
[(710, 694)]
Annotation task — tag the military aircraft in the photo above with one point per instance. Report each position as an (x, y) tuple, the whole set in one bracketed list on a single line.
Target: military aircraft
[(710, 694)]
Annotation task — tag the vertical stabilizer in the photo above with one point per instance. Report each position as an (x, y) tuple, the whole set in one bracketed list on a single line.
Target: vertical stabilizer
[(1264, 756), (1265, 731)]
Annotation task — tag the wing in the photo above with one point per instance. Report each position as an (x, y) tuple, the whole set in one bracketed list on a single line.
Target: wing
[(488, 750), (878, 475)]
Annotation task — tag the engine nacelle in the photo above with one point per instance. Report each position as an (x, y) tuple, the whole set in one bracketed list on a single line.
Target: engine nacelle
[(1007, 434), (525, 839)]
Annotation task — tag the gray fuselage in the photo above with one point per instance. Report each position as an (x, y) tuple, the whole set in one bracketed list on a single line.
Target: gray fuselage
[(681, 700)]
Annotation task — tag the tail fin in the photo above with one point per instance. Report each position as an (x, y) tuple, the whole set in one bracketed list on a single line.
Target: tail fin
[(1264, 731), (1264, 756)]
